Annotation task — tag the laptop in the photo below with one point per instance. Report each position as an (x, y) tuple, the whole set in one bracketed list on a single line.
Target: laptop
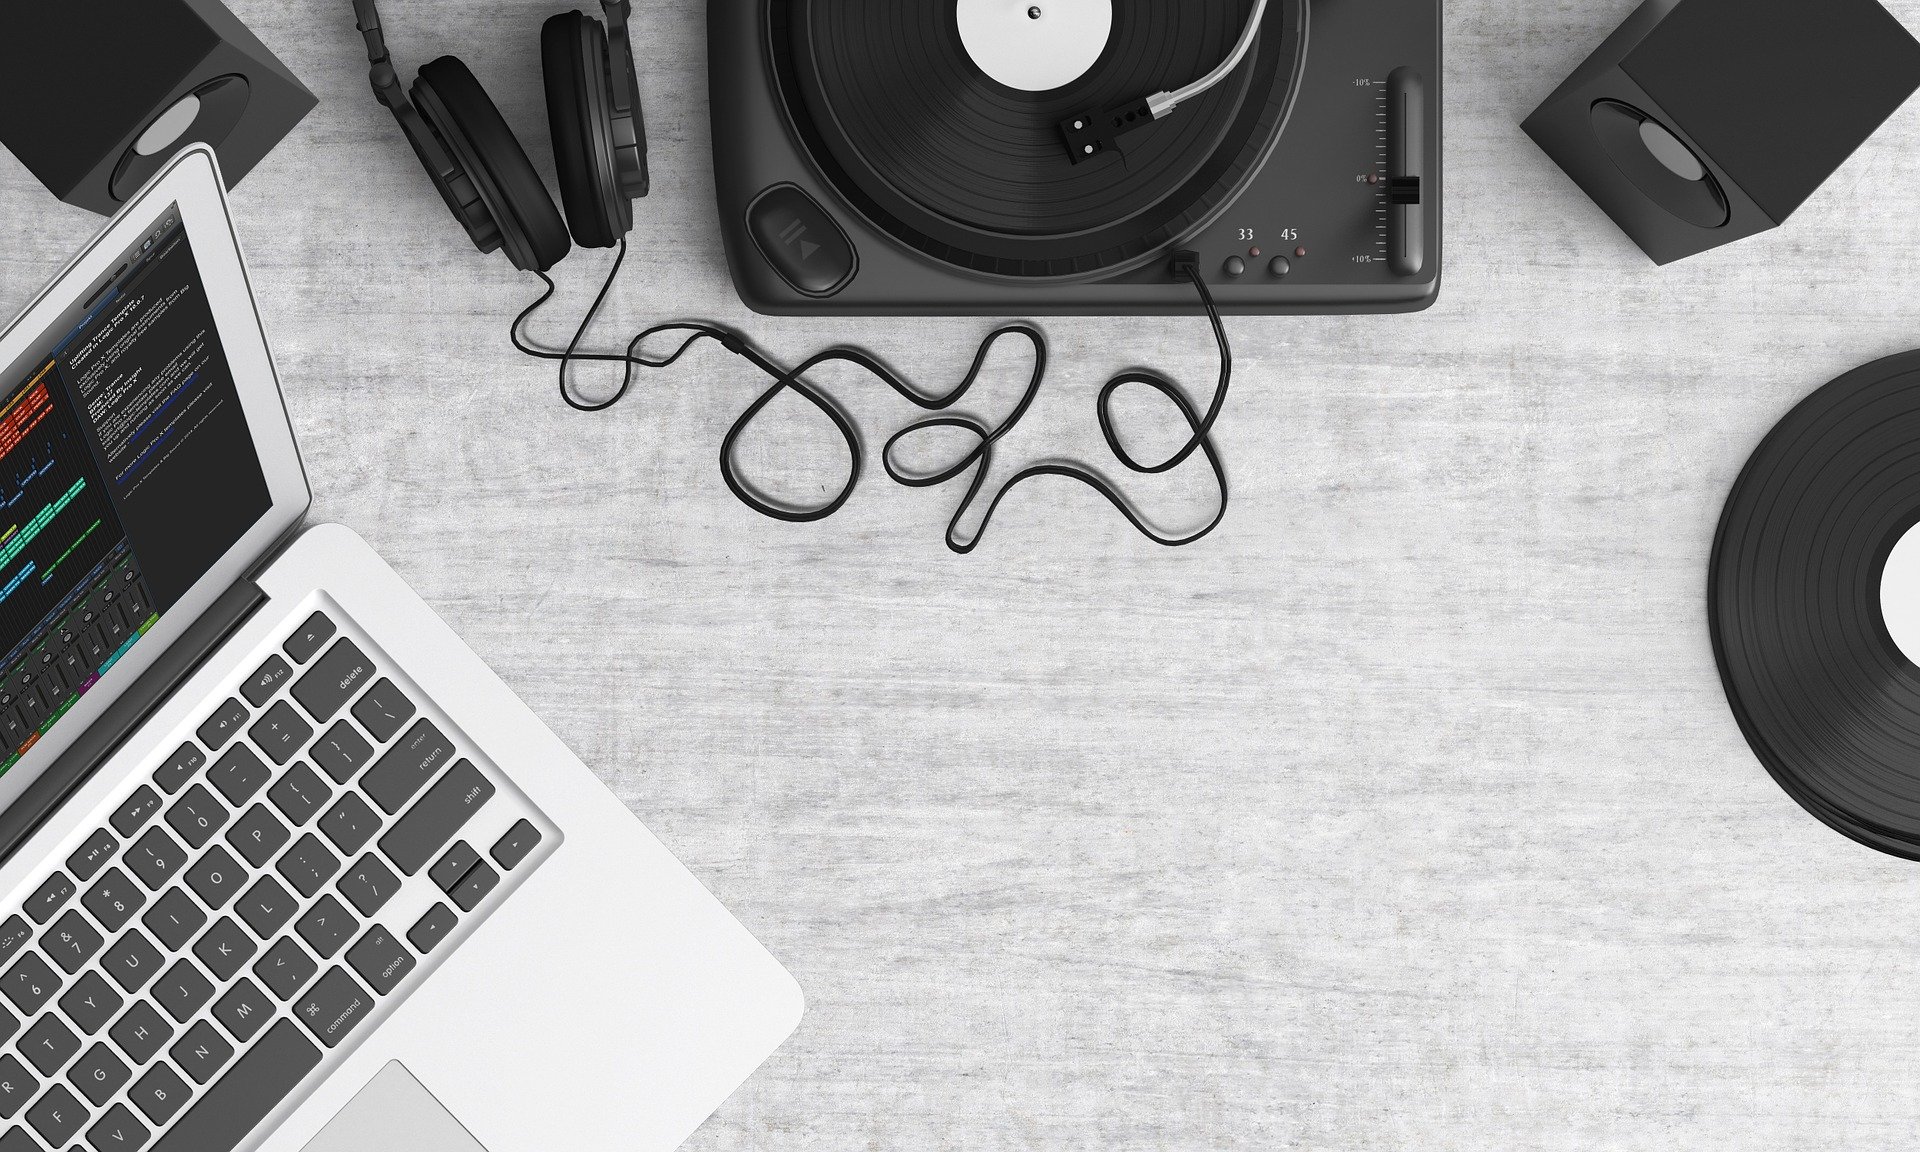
[(286, 866)]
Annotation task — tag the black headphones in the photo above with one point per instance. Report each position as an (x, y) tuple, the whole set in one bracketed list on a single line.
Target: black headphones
[(482, 172)]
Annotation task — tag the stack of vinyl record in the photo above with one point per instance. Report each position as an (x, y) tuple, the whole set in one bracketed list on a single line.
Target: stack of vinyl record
[(1828, 700)]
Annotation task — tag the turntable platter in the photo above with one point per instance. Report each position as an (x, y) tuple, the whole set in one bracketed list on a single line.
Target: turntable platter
[(909, 127)]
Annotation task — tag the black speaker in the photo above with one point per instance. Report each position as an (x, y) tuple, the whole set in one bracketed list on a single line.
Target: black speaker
[(96, 96), (1700, 122)]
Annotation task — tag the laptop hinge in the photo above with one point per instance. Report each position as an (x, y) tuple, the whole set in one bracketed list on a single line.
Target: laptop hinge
[(105, 736)]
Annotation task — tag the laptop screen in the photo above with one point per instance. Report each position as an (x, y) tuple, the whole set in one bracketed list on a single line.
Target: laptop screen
[(126, 471)]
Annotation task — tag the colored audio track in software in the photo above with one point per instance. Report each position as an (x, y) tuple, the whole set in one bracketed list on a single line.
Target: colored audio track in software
[(63, 561)]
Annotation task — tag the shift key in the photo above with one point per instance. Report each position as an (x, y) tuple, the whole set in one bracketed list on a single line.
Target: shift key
[(419, 835), (334, 679)]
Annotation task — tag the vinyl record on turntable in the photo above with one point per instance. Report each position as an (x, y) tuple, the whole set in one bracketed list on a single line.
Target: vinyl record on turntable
[(941, 121), (1814, 604)]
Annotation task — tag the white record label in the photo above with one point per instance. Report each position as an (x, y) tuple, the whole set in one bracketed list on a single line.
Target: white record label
[(1035, 45), (1900, 594)]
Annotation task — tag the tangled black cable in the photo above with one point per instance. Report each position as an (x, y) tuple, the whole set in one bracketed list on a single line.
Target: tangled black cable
[(1200, 427)]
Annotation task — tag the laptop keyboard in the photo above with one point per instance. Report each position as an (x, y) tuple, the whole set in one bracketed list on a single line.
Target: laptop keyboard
[(233, 923)]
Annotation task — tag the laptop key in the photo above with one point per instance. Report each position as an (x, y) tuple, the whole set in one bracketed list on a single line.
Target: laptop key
[(299, 794), (431, 928), (308, 865), (182, 990), (98, 1074), (117, 1131), (474, 886), (49, 897), (257, 835), (327, 926), (216, 877), (224, 949), (266, 907), (30, 983), (285, 969), (93, 855), (281, 733), (383, 710), (407, 767), (17, 1086), (71, 941), (13, 935), (201, 1052), (114, 900), (138, 809), (438, 816), (447, 871), (307, 638), (141, 1032), (381, 960), (132, 961), (244, 1010), (58, 1116), (49, 1044), (266, 680), (369, 884), (239, 774), (160, 1094), (174, 919), (223, 725), (334, 679), (9, 1024), (341, 751), (240, 1099), (333, 1007), (196, 816), (155, 858), (180, 767), (91, 1002), (512, 848), (350, 823)]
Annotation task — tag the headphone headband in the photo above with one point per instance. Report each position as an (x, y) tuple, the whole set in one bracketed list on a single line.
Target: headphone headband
[(456, 187)]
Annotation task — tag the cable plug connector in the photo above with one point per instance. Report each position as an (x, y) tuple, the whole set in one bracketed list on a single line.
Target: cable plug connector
[(1186, 265)]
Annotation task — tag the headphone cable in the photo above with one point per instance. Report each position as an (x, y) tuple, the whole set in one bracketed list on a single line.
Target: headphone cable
[(1186, 265)]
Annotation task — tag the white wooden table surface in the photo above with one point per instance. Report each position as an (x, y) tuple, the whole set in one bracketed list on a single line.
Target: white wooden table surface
[(1405, 812)]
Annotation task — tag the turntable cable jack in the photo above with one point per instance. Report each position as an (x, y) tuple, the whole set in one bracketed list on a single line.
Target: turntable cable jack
[(1185, 265)]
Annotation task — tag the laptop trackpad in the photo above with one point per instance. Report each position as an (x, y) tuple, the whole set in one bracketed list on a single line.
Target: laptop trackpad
[(393, 1113)]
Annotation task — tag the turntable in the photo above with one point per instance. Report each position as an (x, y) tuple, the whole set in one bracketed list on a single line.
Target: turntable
[(1005, 156)]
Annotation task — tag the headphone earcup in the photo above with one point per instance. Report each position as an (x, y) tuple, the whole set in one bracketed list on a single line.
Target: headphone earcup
[(573, 59), (532, 233)]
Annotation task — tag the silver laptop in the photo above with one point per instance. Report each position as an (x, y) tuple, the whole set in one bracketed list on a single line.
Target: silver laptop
[(287, 867)]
